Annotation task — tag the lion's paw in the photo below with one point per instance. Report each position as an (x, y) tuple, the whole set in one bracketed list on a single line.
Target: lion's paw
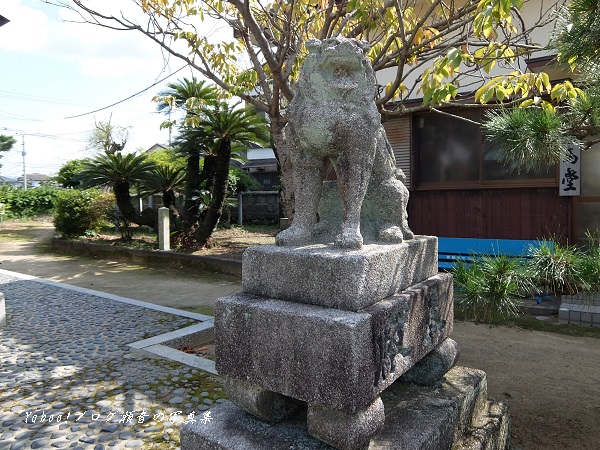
[(349, 239), (407, 233), (293, 236), (391, 234)]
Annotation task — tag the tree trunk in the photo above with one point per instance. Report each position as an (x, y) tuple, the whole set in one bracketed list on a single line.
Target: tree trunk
[(191, 204), (285, 166), (126, 208), (208, 172), (215, 208), (174, 216)]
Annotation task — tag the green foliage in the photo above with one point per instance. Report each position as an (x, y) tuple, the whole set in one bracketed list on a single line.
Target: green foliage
[(578, 33), (241, 181), (107, 169), (68, 175), (6, 143), (583, 112), (528, 138), (21, 203), (590, 264), (490, 285), (188, 95), (164, 178), (567, 269), (166, 157), (555, 268), (80, 211)]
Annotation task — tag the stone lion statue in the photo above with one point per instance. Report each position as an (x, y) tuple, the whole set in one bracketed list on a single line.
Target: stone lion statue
[(333, 116)]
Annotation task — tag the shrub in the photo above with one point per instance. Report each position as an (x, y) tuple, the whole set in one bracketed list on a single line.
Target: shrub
[(79, 211), (556, 268), (490, 285), (24, 203), (590, 265)]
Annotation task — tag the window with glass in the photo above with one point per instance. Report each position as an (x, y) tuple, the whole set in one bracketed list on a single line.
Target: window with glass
[(454, 152)]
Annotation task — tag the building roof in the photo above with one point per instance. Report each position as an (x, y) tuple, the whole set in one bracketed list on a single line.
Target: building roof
[(156, 147), (37, 177), (255, 163)]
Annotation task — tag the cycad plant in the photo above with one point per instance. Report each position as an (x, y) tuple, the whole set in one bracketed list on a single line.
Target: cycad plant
[(168, 180), (490, 285), (121, 172), (226, 127)]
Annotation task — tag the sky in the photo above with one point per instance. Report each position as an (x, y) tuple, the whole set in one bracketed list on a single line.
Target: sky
[(52, 69)]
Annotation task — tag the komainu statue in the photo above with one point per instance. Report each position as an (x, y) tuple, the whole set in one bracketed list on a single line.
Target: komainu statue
[(333, 116)]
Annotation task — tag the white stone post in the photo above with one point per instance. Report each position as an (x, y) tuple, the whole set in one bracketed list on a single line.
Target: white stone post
[(164, 238)]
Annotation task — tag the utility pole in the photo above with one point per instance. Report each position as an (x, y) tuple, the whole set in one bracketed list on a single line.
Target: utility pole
[(24, 167)]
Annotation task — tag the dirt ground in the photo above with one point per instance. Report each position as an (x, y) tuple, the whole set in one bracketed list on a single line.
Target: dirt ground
[(551, 381)]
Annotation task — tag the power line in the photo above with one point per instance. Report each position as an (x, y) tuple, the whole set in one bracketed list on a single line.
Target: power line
[(41, 99), (130, 97)]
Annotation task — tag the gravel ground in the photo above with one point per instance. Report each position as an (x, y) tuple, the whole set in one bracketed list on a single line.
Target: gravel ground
[(69, 380)]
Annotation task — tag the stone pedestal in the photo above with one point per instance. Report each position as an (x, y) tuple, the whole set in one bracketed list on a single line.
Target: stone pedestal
[(327, 276), (330, 357), (317, 339), (452, 415)]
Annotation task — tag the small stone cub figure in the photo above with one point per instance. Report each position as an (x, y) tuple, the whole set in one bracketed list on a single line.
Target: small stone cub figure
[(333, 116)]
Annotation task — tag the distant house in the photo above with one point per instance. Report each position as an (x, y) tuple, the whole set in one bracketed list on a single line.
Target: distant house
[(262, 165), (156, 147), (34, 179)]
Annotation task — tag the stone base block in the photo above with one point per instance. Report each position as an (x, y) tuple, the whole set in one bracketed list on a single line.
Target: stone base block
[(346, 431), (344, 279), (2, 310), (329, 357), (454, 415), (267, 405), (434, 365)]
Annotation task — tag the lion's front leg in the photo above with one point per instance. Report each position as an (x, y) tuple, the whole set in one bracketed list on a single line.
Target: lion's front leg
[(308, 182), (353, 169)]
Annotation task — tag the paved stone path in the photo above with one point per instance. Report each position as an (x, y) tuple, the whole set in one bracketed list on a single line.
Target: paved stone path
[(69, 380)]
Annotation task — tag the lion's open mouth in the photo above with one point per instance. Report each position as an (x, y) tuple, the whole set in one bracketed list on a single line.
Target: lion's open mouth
[(342, 71)]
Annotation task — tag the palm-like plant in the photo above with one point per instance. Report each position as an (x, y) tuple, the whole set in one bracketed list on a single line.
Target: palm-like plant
[(188, 95), (167, 180), (120, 172), (192, 96), (225, 128)]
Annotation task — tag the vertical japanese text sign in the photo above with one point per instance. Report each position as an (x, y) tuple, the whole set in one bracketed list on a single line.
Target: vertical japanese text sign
[(570, 173)]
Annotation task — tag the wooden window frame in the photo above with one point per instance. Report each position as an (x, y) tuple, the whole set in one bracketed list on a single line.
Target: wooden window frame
[(417, 185)]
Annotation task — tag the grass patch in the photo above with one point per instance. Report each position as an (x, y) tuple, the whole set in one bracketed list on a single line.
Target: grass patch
[(13, 236)]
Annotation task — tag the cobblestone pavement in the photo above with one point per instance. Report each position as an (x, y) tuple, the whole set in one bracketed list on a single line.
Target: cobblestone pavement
[(69, 380)]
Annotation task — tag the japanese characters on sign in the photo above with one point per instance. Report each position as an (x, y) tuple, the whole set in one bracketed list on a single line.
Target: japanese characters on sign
[(570, 173)]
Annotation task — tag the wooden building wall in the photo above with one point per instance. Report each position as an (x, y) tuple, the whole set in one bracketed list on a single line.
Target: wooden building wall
[(531, 213)]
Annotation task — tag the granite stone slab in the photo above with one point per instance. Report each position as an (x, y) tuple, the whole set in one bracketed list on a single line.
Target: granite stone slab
[(328, 276), (330, 357), (424, 418)]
